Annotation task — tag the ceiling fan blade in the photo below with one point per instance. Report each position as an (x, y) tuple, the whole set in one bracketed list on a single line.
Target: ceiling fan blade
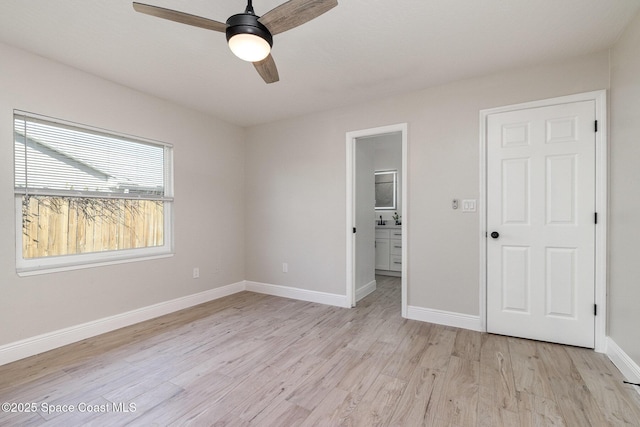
[(295, 12), (267, 69), (181, 17)]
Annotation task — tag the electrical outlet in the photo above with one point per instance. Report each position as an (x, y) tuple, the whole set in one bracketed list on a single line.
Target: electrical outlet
[(196, 273), (285, 267)]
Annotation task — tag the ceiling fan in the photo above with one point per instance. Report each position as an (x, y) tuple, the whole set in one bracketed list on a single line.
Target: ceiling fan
[(250, 36)]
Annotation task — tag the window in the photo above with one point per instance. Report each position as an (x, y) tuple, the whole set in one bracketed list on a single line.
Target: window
[(85, 196)]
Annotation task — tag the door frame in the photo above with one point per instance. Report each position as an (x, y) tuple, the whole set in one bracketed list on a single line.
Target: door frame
[(351, 138), (600, 98)]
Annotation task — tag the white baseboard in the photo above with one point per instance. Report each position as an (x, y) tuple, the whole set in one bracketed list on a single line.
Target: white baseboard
[(45, 342), (623, 362), (389, 273), (297, 293), (366, 290), (448, 318)]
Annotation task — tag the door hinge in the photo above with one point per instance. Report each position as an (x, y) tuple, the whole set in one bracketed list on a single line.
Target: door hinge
[(595, 309), (596, 125), (595, 217), (354, 230)]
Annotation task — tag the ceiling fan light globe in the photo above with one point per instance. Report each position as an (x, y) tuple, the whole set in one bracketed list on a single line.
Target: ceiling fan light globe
[(249, 47)]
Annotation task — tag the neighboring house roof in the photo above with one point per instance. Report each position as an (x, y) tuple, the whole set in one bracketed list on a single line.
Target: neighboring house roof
[(59, 155), (63, 172)]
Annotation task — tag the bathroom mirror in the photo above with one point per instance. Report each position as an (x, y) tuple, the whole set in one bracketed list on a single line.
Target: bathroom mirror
[(386, 188)]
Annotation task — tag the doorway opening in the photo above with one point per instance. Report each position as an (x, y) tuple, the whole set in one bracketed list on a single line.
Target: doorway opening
[(376, 209)]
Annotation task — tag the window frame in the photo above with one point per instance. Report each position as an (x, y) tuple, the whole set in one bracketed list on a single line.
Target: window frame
[(43, 265)]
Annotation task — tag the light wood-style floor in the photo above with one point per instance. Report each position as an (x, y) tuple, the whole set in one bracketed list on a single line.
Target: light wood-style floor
[(252, 359)]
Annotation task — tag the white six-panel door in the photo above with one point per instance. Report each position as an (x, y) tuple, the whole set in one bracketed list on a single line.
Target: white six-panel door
[(540, 212)]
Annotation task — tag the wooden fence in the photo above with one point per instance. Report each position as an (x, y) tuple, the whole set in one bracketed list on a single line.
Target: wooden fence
[(69, 225)]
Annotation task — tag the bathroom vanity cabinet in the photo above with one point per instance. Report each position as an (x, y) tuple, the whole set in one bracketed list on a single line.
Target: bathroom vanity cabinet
[(389, 250)]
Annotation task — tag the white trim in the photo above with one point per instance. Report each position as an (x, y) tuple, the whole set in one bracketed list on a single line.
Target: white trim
[(448, 318), (350, 181), (602, 204), (482, 217), (623, 362), (389, 273), (404, 280), (48, 341), (92, 129), (366, 290), (70, 267), (297, 293), (600, 98), (351, 213)]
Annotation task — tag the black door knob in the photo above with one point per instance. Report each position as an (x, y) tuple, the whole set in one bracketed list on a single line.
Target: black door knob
[(495, 234)]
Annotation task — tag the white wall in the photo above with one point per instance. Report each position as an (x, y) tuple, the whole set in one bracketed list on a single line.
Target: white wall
[(624, 228), (209, 205), (296, 182), (365, 237)]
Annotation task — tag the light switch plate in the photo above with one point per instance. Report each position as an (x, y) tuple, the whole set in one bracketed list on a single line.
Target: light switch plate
[(469, 205)]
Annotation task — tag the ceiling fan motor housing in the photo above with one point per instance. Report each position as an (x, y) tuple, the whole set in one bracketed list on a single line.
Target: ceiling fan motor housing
[(247, 23)]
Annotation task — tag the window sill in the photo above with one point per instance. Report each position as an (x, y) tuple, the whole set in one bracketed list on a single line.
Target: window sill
[(34, 271)]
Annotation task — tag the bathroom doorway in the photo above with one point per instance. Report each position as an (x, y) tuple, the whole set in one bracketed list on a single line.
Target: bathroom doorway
[(376, 209)]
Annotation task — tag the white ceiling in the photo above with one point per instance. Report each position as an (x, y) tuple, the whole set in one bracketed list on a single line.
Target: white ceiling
[(359, 51)]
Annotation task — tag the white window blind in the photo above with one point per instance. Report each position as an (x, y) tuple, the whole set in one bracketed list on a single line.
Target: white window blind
[(63, 159)]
